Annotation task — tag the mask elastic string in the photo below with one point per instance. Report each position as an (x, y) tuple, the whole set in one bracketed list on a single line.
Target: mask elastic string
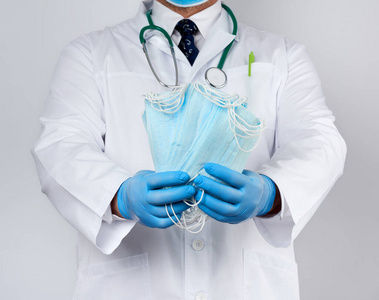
[(168, 102), (192, 218), (236, 122)]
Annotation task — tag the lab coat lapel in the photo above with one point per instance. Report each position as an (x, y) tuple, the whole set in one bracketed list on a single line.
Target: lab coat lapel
[(159, 41), (140, 19), (219, 37), (154, 38), (213, 46)]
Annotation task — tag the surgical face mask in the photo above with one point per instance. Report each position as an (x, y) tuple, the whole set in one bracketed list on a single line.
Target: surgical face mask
[(186, 3), (194, 125)]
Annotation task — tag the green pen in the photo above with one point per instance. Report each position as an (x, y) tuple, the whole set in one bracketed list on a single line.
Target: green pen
[(251, 60)]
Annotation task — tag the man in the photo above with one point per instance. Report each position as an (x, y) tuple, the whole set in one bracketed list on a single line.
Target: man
[(95, 165)]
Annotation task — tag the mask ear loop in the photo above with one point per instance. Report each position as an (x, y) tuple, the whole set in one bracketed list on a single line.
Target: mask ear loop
[(230, 102), (169, 102), (194, 202), (201, 219), (249, 131), (194, 218)]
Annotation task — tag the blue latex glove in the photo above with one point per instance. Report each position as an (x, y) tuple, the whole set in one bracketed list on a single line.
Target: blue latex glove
[(143, 197), (238, 198)]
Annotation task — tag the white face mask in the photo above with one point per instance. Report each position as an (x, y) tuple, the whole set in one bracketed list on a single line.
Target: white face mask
[(186, 3)]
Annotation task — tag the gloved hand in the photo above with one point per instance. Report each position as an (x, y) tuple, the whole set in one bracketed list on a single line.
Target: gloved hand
[(243, 196), (143, 197)]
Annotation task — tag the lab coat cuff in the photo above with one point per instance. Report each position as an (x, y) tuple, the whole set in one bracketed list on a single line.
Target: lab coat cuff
[(111, 234), (277, 230), (103, 209), (107, 217), (112, 230)]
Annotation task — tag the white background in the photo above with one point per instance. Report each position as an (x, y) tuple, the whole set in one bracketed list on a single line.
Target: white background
[(338, 252)]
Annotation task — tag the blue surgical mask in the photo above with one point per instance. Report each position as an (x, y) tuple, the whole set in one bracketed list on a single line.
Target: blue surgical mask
[(193, 125), (196, 124), (186, 3)]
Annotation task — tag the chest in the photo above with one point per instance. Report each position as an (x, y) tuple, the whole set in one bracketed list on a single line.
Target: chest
[(124, 80)]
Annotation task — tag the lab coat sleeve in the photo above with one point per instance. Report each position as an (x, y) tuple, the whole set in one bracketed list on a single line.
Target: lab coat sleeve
[(309, 155), (75, 173)]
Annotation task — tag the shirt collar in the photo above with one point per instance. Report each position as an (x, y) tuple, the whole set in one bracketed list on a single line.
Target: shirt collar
[(204, 20)]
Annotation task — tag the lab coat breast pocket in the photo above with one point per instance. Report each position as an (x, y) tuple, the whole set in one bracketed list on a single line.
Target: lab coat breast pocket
[(269, 277), (127, 278), (260, 89)]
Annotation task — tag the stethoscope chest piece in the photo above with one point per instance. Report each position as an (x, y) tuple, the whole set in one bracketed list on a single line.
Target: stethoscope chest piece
[(216, 77)]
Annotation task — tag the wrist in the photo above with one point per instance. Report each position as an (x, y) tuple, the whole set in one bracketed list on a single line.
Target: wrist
[(121, 201), (114, 206), (268, 196), (276, 207)]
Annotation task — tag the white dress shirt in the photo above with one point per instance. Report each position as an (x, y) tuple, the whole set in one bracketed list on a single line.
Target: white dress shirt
[(167, 19)]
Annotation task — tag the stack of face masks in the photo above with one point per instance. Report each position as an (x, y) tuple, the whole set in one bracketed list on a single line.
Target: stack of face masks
[(196, 124)]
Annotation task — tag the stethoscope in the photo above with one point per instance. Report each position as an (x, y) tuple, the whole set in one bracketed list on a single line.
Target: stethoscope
[(214, 76)]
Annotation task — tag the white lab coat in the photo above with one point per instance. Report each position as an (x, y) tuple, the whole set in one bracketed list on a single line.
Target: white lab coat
[(93, 139)]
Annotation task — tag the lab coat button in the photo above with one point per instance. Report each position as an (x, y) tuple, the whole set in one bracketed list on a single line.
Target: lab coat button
[(198, 245), (201, 296)]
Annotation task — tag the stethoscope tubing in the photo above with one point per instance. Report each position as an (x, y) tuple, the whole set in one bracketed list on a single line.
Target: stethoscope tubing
[(235, 29), (153, 70), (151, 26)]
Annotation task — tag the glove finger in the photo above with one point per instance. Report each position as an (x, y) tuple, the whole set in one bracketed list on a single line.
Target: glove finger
[(166, 179), (231, 177), (218, 206), (170, 195), (161, 212), (214, 215), (218, 190)]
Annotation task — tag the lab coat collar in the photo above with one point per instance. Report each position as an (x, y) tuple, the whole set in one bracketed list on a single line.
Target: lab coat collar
[(219, 38), (140, 18), (167, 19), (203, 19)]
